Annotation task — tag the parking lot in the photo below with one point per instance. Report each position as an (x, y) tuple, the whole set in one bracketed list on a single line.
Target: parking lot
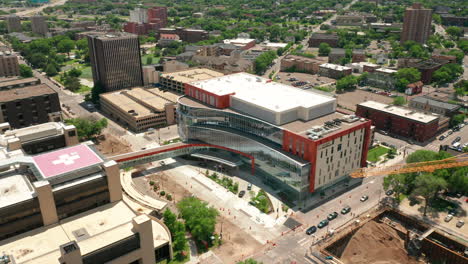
[(295, 78), (349, 100)]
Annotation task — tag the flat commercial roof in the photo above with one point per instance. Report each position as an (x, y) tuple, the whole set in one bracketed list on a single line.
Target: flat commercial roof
[(14, 188), (238, 41), (425, 100), (92, 230), (35, 131), (262, 92), (400, 111), (334, 67), (147, 97), (65, 160), (192, 75), (25, 92), (165, 94), (15, 81), (126, 104)]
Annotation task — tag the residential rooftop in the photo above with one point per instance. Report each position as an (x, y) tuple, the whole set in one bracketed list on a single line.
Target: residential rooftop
[(385, 70), (432, 102), (401, 111), (15, 81), (192, 75), (262, 92), (307, 59), (25, 92), (334, 67), (92, 230)]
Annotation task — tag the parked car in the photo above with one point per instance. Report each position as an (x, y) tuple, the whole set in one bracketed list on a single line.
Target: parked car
[(241, 194), (346, 210), (389, 192), (322, 224), (460, 223), (364, 198), (442, 137), (332, 216), (311, 230), (457, 139), (249, 186), (448, 218), (450, 132)]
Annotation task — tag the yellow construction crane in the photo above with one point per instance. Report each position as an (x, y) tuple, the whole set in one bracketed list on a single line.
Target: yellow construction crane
[(426, 166)]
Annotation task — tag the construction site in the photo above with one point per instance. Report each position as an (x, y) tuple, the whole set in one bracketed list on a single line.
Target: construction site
[(390, 237)]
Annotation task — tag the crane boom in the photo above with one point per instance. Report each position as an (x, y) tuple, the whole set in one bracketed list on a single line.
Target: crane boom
[(425, 166)]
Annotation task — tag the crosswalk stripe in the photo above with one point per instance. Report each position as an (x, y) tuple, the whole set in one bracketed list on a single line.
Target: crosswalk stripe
[(300, 241)]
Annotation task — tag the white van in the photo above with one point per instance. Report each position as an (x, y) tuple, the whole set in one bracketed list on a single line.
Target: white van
[(456, 145)]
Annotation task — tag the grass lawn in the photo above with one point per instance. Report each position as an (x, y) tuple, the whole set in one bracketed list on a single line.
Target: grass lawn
[(83, 89), (374, 154), (144, 58), (86, 73)]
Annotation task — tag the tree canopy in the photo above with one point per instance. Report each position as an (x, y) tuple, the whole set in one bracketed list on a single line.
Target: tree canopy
[(199, 218), (324, 49), (399, 100), (86, 128), (25, 71), (346, 83), (406, 76)]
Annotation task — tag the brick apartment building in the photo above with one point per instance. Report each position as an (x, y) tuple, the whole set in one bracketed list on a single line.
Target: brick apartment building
[(416, 24), (9, 65), (185, 34), (334, 71), (22, 107), (453, 20), (330, 39), (301, 64), (144, 21), (400, 121)]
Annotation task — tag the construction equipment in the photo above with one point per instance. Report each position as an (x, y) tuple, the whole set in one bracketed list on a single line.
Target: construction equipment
[(426, 166)]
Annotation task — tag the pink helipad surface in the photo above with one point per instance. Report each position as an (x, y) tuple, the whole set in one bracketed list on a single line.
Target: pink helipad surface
[(65, 160)]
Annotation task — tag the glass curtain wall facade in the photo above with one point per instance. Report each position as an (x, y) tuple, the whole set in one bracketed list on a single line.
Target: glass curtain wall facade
[(278, 169)]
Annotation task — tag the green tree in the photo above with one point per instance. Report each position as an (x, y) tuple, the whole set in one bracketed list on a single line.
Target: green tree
[(324, 49), (397, 183), (65, 46), (461, 87), (169, 219), (86, 128), (72, 83), (96, 91), (25, 71), (428, 185), (458, 181), (346, 83), (179, 239), (249, 261), (149, 60), (74, 72), (457, 119), (263, 61), (51, 69), (199, 218), (447, 73), (454, 31), (437, 19), (406, 76), (458, 54), (399, 100)]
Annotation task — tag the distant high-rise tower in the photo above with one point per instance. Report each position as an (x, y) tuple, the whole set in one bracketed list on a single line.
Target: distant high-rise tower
[(115, 60), (39, 25), (158, 15), (416, 24), (139, 15), (14, 23)]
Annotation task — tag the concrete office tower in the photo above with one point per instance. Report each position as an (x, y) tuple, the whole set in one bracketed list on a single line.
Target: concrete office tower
[(39, 25), (416, 24), (14, 24), (139, 15), (115, 60)]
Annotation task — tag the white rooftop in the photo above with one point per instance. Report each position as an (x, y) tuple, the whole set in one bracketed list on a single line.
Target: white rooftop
[(401, 111), (385, 70), (334, 67), (275, 97), (239, 41), (14, 188)]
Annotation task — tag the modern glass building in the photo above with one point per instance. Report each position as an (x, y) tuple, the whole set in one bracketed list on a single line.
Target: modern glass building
[(295, 136)]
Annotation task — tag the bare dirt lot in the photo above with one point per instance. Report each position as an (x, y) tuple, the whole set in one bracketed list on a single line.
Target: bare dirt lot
[(236, 243), (313, 79), (109, 145), (349, 100), (376, 243)]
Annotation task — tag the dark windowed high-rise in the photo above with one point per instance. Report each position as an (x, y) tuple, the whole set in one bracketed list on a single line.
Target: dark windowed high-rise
[(115, 60)]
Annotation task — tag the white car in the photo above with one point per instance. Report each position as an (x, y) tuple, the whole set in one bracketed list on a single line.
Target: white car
[(448, 218), (460, 223), (364, 198)]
